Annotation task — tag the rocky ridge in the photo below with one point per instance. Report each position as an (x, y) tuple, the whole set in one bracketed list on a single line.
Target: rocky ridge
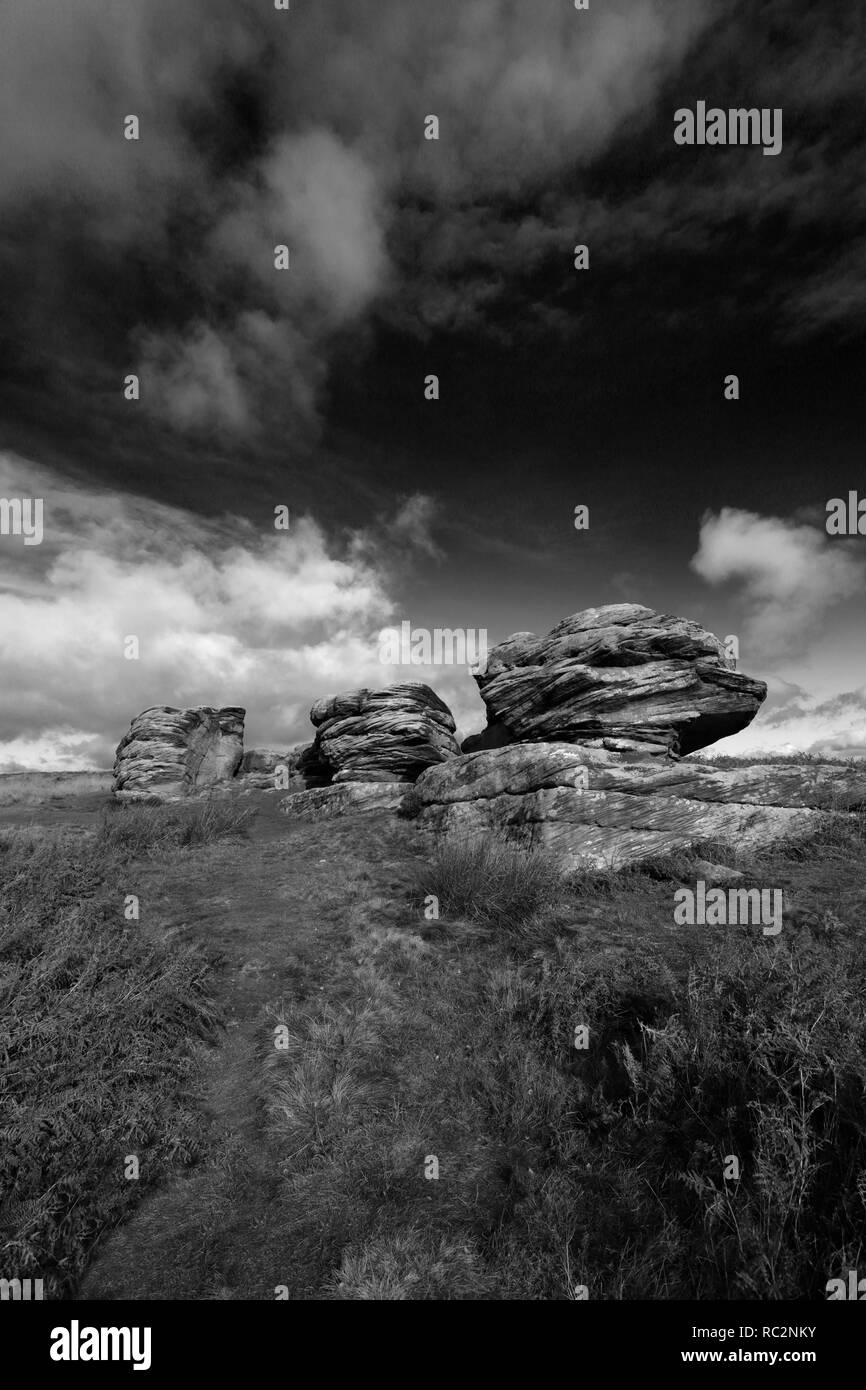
[(595, 808), (585, 751)]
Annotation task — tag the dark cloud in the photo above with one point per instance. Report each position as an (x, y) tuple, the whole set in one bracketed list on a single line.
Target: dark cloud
[(305, 127), (335, 167)]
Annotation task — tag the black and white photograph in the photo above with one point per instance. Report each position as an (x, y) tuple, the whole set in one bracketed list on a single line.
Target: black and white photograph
[(433, 718)]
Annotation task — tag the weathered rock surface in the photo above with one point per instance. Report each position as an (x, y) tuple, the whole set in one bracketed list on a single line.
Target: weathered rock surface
[(172, 753), (622, 673), (260, 760), (386, 735), (323, 802), (592, 807), (266, 769)]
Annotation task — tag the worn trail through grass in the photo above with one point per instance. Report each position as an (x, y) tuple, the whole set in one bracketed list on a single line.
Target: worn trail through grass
[(273, 910)]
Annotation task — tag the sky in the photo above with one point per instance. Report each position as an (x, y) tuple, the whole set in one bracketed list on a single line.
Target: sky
[(305, 388)]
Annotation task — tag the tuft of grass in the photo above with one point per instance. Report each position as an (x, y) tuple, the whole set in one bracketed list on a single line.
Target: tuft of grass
[(410, 1264), (491, 881), (324, 1071), (142, 829), (681, 865)]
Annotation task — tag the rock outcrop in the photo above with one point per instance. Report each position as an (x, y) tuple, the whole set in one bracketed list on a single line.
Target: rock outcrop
[(172, 753), (362, 736), (585, 752), (388, 735), (323, 802), (621, 678), (593, 807)]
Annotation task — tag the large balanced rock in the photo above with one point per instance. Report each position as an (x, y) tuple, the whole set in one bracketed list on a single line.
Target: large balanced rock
[(621, 677), (388, 735), (592, 807), (171, 753)]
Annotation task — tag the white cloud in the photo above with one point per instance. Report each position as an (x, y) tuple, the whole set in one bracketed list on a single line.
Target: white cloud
[(225, 615), (795, 720), (790, 574)]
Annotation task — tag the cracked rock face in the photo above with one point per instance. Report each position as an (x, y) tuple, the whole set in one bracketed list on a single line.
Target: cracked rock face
[(621, 677), (388, 735), (592, 808), (172, 753)]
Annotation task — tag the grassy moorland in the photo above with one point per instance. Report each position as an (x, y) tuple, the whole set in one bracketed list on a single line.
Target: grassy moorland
[(293, 1045), (95, 1023), (32, 788)]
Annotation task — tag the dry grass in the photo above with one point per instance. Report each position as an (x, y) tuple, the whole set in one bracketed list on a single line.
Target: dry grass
[(806, 760), (490, 881), (35, 788), (137, 830), (97, 1019), (562, 1167), (389, 1038)]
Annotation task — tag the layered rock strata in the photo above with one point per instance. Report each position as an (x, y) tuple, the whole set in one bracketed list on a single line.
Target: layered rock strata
[(388, 735), (620, 677), (592, 808), (173, 753)]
